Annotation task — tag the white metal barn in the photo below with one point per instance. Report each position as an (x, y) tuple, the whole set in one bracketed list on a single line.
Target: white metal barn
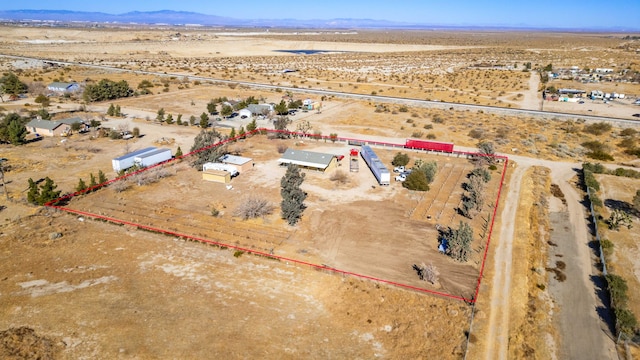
[(128, 160), (153, 157)]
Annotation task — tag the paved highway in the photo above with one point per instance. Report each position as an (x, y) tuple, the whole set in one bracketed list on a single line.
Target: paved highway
[(345, 95)]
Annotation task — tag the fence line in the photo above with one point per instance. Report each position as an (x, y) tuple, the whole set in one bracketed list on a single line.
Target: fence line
[(54, 204)]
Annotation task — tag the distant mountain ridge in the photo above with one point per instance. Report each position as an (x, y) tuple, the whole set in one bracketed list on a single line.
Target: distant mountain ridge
[(171, 17)]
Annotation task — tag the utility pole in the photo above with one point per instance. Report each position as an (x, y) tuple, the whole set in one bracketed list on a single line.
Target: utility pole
[(4, 185)]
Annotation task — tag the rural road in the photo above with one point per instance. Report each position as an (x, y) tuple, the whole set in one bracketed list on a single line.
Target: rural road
[(345, 95), (576, 303), (585, 333)]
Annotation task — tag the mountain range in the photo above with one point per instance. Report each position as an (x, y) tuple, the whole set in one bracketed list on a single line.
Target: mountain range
[(170, 17)]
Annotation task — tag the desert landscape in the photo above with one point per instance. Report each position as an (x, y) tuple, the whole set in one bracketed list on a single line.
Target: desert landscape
[(78, 287)]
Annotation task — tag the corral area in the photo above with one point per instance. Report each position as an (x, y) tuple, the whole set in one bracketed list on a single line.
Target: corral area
[(341, 226)]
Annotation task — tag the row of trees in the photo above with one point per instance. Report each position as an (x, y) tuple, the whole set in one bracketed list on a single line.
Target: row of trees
[(93, 183), (107, 90), (474, 196)]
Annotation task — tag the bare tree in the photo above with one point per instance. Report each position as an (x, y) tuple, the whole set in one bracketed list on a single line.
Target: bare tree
[(253, 207), (428, 273)]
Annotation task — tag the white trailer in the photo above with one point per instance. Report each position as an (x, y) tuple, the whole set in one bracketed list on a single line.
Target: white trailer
[(221, 167), (128, 160), (154, 157)]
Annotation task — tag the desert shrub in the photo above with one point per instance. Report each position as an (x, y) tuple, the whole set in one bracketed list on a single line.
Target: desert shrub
[(428, 126), (597, 128), (417, 134), (215, 212), (400, 159), (628, 132), (431, 136), (480, 172), (476, 133), (607, 246), (594, 145), (596, 168), (339, 176), (253, 207), (428, 273), (628, 143), (600, 155), (120, 186), (438, 119), (493, 167), (417, 181), (634, 152), (150, 176), (281, 148), (238, 253), (618, 290), (403, 108)]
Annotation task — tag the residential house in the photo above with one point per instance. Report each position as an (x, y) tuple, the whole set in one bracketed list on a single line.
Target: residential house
[(53, 128)]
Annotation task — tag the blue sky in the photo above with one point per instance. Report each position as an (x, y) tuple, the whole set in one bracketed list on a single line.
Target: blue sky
[(554, 13)]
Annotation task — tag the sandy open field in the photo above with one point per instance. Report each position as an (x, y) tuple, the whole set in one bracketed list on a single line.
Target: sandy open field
[(102, 290)]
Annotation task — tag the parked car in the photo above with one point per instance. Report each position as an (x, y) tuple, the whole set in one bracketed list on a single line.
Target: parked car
[(399, 169), (401, 177)]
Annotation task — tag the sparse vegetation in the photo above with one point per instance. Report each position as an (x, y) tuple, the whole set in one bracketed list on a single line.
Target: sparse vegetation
[(253, 207)]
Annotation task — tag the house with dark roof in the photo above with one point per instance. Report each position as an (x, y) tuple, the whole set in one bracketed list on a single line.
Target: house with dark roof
[(63, 87), (309, 160), (51, 127)]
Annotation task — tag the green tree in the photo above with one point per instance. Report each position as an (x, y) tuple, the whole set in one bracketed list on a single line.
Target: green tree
[(81, 185), (111, 111), (47, 192), (118, 111), (211, 107), (281, 108), (429, 168), (92, 181), (107, 90), (102, 178), (179, 120), (178, 152), (333, 137), (293, 197), (416, 181), (160, 115), (169, 119), (12, 85), (135, 132), (17, 132), (232, 134), (459, 241), (192, 120), (280, 125), (204, 120), (241, 133), (204, 143), (252, 125), (400, 159), (226, 110), (34, 192)]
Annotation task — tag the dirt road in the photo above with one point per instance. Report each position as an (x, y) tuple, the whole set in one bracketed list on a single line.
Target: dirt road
[(582, 334), (498, 335)]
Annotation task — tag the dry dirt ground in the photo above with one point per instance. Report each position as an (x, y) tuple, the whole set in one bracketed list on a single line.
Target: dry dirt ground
[(99, 267)]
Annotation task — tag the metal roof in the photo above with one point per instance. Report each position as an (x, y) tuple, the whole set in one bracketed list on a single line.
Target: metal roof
[(152, 153), (306, 158), (43, 124), (136, 153), (61, 85), (234, 160)]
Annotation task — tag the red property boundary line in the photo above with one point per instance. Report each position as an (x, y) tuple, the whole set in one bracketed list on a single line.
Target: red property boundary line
[(65, 198)]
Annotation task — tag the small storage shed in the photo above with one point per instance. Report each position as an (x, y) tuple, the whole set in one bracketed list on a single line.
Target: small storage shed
[(242, 164), (218, 176)]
